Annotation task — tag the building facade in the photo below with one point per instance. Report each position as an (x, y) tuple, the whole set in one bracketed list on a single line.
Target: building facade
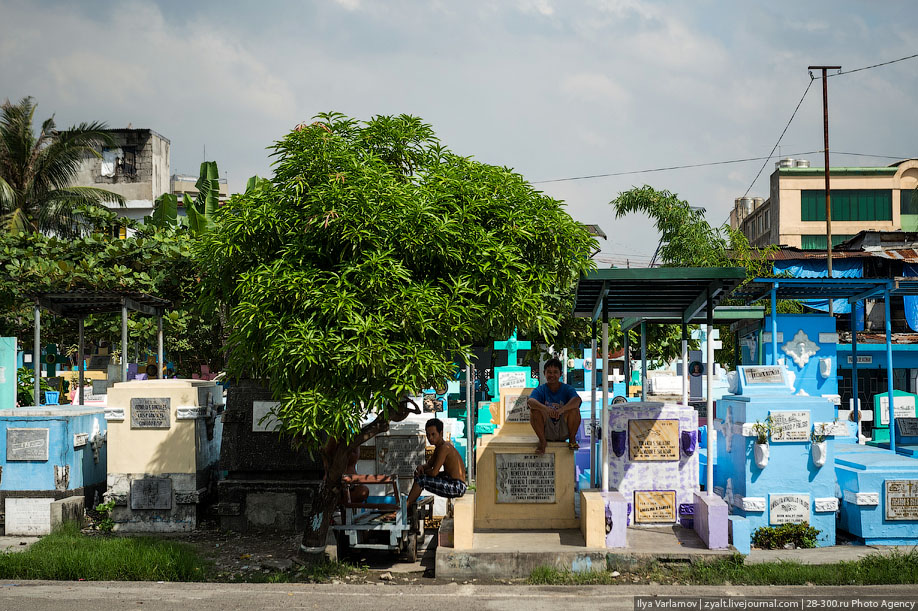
[(863, 199), (135, 166)]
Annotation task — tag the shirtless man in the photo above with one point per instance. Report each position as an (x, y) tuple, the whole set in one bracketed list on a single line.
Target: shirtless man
[(554, 409), (450, 482)]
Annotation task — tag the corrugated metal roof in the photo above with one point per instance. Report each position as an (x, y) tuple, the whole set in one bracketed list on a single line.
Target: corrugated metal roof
[(79, 304)]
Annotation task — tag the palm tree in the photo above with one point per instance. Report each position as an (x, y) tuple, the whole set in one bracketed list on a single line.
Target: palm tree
[(36, 173)]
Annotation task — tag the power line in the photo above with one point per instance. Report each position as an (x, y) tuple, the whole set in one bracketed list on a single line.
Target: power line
[(784, 131), (892, 61)]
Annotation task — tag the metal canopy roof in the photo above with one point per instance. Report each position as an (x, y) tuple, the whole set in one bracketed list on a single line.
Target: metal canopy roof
[(674, 293), (852, 289), (79, 304), (722, 315)]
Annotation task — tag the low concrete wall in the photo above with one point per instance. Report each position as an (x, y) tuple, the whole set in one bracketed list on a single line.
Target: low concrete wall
[(592, 518), (740, 534), (616, 519), (464, 522), (711, 520)]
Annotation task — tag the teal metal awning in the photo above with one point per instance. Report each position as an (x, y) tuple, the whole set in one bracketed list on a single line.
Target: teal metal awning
[(678, 294), (723, 315)]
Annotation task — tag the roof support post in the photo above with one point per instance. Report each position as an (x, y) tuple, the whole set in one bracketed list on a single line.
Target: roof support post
[(604, 426), (159, 346), (469, 425), (712, 443), (626, 360), (684, 364), (889, 372), (36, 354), (592, 427), (82, 351), (643, 361), (774, 323), (856, 401), (124, 341)]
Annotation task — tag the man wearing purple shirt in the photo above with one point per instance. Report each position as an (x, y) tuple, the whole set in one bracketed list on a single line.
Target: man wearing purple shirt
[(554, 409)]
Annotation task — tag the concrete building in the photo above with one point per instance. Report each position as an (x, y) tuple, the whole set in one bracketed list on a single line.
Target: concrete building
[(185, 183), (863, 199), (136, 166)]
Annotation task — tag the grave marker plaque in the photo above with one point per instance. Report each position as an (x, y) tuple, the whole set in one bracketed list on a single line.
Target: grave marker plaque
[(903, 407), (790, 426), (653, 440), (901, 499), (260, 409), (654, 506), (511, 379), (525, 478), (27, 444), (908, 427), (400, 454), (150, 413), (516, 408), (151, 493), (764, 375), (788, 508)]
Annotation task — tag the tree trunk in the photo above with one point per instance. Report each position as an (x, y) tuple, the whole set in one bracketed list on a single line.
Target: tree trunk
[(334, 456)]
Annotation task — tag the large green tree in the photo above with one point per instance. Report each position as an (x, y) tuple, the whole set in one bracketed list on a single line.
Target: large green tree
[(37, 173), (374, 260)]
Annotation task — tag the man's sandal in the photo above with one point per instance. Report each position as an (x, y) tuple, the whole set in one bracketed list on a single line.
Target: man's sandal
[(573, 445)]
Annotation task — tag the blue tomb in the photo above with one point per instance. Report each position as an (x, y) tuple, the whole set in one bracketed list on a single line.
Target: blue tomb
[(788, 485)]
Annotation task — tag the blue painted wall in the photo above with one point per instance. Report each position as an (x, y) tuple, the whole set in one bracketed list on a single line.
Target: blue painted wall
[(62, 425), (7, 372)]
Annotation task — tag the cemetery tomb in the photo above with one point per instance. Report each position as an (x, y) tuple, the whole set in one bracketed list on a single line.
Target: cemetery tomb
[(653, 460), (269, 484), (7, 373), (516, 488), (790, 487), (904, 406), (49, 454), (164, 438)]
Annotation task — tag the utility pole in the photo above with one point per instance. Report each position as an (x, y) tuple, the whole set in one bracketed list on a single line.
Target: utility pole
[(825, 131)]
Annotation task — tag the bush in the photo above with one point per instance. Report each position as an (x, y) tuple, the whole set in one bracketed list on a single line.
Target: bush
[(776, 537)]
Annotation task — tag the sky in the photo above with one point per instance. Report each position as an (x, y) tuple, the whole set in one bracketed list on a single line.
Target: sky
[(553, 89)]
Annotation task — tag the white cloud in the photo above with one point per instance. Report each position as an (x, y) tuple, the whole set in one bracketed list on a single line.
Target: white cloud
[(542, 7), (594, 88)]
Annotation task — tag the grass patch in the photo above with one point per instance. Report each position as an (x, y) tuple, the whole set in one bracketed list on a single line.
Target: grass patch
[(894, 567), (317, 573), (68, 555)]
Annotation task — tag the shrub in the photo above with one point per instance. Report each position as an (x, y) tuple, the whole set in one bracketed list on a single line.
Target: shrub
[(801, 535)]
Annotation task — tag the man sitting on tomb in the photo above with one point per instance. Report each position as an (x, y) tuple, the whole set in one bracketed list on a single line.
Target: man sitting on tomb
[(450, 482), (554, 409)]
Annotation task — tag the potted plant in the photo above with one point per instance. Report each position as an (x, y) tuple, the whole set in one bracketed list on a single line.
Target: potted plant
[(818, 442), (760, 449)]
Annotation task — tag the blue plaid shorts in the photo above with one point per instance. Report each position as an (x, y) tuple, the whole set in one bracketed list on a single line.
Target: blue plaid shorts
[(441, 485)]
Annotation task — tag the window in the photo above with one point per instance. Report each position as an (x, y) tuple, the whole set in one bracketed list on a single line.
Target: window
[(847, 205), (767, 216), (908, 203), (818, 242)]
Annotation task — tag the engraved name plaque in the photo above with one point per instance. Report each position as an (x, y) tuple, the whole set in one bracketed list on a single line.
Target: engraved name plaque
[(763, 375), (150, 413), (151, 493), (654, 506), (399, 454), (907, 427), (901, 499), (653, 440), (790, 426), (27, 444), (788, 508), (516, 408), (511, 379), (525, 478), (263, 421)]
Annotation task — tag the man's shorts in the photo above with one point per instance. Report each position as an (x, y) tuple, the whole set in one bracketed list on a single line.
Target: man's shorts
[(441, 485), (556, 430)]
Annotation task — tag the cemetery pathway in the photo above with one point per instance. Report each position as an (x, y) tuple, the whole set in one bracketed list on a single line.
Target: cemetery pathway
[(112, 596)]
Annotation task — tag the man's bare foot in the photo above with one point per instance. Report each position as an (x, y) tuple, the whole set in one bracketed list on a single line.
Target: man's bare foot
[(573, 445), (540, 449)]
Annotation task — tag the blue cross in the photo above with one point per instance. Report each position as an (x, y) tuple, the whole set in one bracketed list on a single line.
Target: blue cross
[(512, 346)]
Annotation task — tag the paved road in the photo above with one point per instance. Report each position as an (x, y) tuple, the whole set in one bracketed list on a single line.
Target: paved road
[(121, 596)]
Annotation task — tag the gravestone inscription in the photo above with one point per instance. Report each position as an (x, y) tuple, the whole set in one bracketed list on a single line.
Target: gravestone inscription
[(516, 408), (763, 375), (151, 493), (907, 427), (399, 454), (653, 440), (150, 412), (27, 444), (525, 478), (511, 379), (790, 426), (263, 420), (903, 407), (788, 508), (901, 499), (654, 506)]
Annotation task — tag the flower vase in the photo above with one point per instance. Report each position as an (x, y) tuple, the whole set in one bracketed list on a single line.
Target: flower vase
[(760, 451), (619, 441), (819, 451), (689, 442)]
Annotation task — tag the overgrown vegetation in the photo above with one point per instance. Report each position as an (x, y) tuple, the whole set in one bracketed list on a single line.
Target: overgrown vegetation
[(68, 555), (800, 535), (105, 523), (894, 567)]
